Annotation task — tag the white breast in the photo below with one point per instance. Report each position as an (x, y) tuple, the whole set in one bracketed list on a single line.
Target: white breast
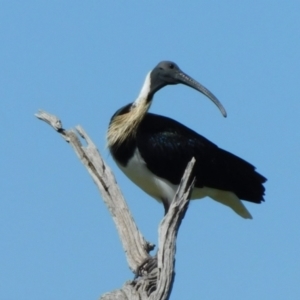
[(162, 190), (137, 171)]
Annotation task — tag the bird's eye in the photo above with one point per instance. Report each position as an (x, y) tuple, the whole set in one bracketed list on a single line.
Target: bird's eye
[(171, 66)]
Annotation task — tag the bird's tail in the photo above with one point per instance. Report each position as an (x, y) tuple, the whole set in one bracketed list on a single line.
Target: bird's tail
[(231, 200)]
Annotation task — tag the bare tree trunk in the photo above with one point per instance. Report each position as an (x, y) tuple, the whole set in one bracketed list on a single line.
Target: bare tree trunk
[(154, 276)]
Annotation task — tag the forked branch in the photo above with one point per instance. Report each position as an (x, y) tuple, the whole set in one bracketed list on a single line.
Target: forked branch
[(156, 281)]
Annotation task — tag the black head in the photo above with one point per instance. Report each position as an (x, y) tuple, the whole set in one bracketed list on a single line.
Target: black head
[(167, 72)]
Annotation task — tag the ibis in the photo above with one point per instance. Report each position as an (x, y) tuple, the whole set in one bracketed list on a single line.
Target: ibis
[(153, 151)]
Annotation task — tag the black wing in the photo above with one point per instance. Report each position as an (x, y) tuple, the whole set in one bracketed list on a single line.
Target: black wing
[(167, 146)]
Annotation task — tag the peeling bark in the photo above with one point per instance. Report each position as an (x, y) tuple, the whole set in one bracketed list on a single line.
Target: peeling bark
[(154, 276)]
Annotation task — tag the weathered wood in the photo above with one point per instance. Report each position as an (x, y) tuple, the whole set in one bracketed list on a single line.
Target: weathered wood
[(167, 234), (155, 282), (135, 246)]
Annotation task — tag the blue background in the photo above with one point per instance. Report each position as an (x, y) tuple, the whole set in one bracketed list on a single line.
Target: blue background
[(82, 60)]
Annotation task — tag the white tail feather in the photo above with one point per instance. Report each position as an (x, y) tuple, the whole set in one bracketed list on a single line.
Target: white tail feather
[(231, 200)]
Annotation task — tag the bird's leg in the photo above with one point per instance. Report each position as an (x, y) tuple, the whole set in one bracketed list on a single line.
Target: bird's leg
[(150, 263), (148, 268), (166, 204)]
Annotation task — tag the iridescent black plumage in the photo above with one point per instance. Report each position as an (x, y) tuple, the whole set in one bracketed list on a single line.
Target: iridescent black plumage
[(167, 146), (153, 151)]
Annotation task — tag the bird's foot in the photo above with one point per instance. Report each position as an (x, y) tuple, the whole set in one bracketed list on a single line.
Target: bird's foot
[(147, 266), (146, 275)]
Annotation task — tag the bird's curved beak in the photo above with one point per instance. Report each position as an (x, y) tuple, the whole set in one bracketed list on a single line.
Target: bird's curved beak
[(189, 81)]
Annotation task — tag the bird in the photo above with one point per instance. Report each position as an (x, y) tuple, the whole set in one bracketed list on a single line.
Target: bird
[(153, 150)]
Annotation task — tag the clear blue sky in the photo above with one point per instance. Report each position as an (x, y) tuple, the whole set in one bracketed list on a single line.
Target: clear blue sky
[(82, 60)]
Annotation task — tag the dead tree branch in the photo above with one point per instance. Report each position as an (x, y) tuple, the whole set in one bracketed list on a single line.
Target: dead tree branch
[(154, 275)]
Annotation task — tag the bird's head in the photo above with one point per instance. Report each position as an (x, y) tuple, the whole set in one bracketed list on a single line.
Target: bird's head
[(167, 72)]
